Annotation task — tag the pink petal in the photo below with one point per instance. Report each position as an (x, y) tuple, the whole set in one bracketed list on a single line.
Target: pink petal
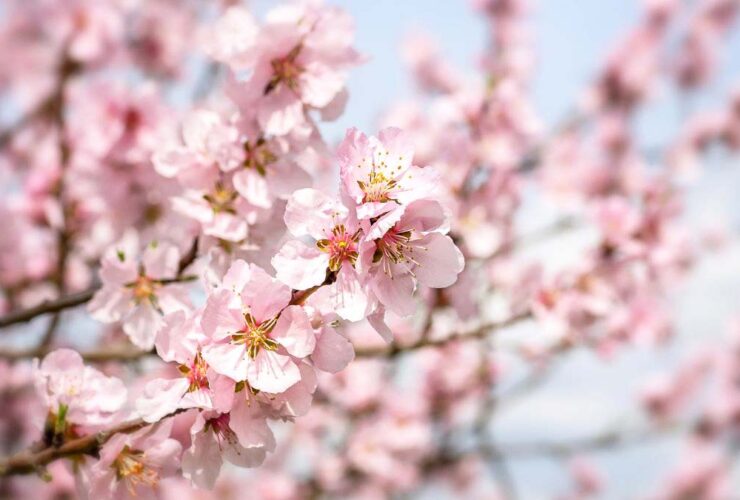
[(201, 463), (300, 266), (253, 187), (237, 276), (293, 331), (377, 321), (110, 304), (395, 292), (221, 318), (161, 261), (333, 352), (310, 212), (272, 372), (142, 325), (280, 111), (228, 359), (265, 295), (349, 295), (160, 398), (250, 426), (440, 261)]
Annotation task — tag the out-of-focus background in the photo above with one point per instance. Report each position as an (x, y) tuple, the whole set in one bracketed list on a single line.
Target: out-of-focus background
[(584, 395)]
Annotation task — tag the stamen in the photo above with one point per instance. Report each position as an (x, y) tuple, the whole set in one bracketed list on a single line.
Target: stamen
[(132, 468), (256, 336), (341, 247), (221, 199)]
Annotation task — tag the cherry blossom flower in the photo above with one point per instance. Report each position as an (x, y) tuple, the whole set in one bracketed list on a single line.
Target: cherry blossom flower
[(212, 442), (411, 250), (76, 393), (139, 290), (181, 341), (299, 59), (134, 464), (336, 237), (257, 335), (378, 175)]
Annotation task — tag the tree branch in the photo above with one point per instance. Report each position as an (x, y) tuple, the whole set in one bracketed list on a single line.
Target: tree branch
[(29, 461), (79, 298)]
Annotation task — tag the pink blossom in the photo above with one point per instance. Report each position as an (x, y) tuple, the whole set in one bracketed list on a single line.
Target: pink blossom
[(138, 290), (83, 394), (404, 248), (335, 250), (212, 442), (257, 336), (134, 464), (378, 175), (299, 60), (181, 341)]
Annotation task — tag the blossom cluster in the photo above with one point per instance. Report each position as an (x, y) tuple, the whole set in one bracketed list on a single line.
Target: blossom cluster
[(335, 317)]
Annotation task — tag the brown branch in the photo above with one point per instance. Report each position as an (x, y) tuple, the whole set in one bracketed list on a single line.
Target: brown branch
[(122, 353), (79, 298), (30, 461), (48, 306), (67, 69), (476, 333), (614, 438)]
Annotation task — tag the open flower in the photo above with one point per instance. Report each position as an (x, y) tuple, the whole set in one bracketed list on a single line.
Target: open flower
[(412, 250), (334, 251), (378, 175), (135, 463), (139, 290), (256, 333), (77, 393), (181, 341), (299, 60), (213, 440)]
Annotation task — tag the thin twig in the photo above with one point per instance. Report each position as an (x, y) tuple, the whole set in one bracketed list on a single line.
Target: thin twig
[(613, 438), (27, 462), (476, 333), (79, 298)]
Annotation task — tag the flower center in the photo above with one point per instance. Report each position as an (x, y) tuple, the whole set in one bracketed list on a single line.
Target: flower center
[(131, 467), (256, 336), (220, 427), (196, 373), (341, 246), (285, 70), (221, 198), (144, 289), (258, 156), (377, 188), (394, 248)]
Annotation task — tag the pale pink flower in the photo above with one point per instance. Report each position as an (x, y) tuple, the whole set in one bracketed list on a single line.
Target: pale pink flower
[(84, 394), (215, 203), (138, 289), (208, 140), (335, 249), (257, 335), (298, 61), (181, 341), (134, 464), (268, 172), (378, 175), (212, 441), (403, 248), (333, 351)]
